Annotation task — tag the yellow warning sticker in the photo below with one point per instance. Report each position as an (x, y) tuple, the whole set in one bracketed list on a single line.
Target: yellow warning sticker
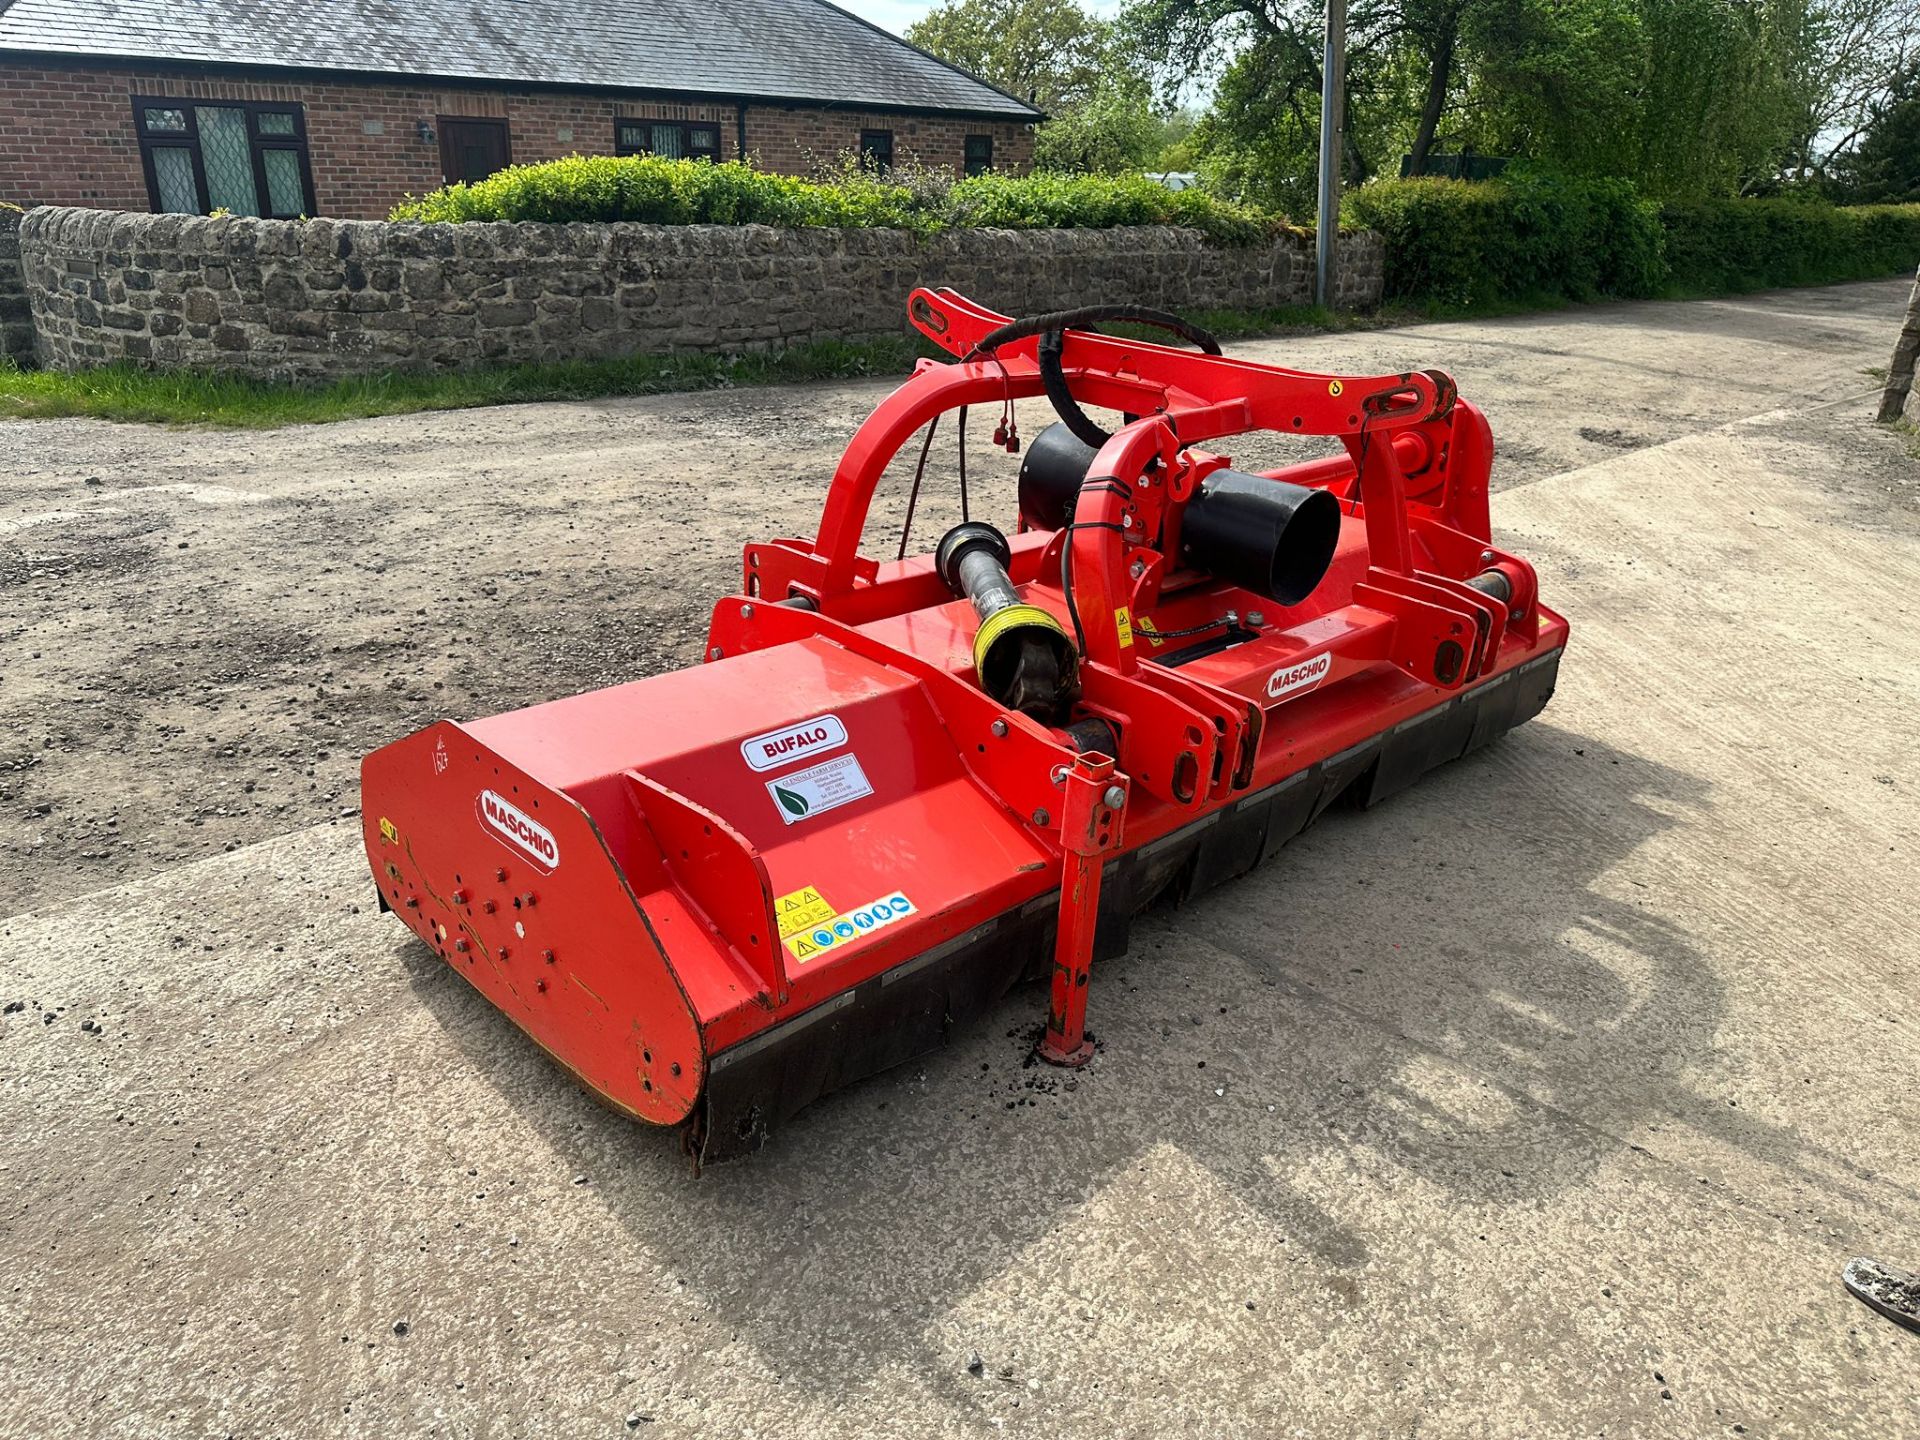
[(1145, 626), (801, 910), (1334, 387), (1123, 621), (388, 832), (845, 929)]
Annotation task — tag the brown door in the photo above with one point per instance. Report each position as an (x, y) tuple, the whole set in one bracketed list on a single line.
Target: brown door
[(472, 149)]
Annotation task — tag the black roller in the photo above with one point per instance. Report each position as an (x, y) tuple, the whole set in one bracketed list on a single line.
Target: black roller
[(1267, 536), (1050, 474)]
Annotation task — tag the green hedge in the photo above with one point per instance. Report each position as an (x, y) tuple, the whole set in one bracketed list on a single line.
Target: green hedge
[(1717, 246), (698, 192), (1467, 243), (1534, 237)]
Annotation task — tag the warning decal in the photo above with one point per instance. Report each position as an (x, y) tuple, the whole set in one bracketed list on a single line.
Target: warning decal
[(802, 910), (845, 928), (805, 793), (1123, 622)]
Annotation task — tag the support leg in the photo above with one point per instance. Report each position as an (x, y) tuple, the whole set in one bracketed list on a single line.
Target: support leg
[(1091, 813)]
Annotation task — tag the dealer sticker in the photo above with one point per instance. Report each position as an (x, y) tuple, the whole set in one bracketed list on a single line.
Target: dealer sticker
[(794, 742), (848, 926), (1299, 677), (818, 788)]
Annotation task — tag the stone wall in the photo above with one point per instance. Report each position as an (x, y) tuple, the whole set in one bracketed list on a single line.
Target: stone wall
[(16, 316), (322, 298)]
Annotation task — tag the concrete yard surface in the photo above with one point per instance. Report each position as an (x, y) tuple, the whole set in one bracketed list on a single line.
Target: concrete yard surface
[(1549, 1098)]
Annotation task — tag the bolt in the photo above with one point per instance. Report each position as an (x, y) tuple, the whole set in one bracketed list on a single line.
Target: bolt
[(541, 986), (547, 955), (746, 612), (1059, 774), (999, 728), (715, 653), (527, 900), (1137, 569), (413, 902), (1255, 619), (1115, 797), (459, 897), (488, 906), (503, 952), (499, 872), (461, 946), (1486, 557), (1040, 817)]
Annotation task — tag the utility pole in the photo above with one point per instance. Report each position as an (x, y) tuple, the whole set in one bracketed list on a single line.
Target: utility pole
[(1333, 105)]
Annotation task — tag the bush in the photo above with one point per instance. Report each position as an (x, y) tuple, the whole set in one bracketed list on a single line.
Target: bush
[(1533, 236), (698, 192), (1526, 236), (1716, 246)]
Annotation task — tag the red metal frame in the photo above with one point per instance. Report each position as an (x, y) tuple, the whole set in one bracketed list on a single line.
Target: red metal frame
[(661, 938)]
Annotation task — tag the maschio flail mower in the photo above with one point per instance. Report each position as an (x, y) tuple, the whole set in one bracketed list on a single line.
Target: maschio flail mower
[(896, 788)]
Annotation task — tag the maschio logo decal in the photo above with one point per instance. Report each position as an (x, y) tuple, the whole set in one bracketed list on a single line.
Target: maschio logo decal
[(1299, 678), (520, 830), (795, 742)]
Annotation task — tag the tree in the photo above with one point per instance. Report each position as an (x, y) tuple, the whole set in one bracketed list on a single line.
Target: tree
[(1112, 132), (1047, 52), (1884, 167), (1070, 64), (1685, 97), (1862, 50)]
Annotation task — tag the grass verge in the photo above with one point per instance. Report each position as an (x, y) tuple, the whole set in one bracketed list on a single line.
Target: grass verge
[(125, 392)]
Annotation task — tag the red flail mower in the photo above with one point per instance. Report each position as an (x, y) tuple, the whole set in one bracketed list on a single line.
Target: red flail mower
[(897, 788)]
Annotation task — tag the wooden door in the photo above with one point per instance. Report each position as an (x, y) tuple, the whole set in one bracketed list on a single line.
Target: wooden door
[(472, 149)]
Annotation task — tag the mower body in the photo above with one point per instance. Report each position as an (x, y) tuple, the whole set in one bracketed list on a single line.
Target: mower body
[(718, 893)]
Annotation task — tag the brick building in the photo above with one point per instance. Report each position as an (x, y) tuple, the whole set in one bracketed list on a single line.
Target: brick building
[(341, 107)]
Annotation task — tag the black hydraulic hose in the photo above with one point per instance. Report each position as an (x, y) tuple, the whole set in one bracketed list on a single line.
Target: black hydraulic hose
[(1093, 315)]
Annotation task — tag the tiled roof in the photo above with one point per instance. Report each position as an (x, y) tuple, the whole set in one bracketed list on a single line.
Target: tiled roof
[(757, 49)]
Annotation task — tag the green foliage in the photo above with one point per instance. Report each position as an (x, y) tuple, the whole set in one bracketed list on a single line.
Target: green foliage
[(1525, 236), (1073, 65), (1723, 90), (1717, 246), (1113, 132), (1554, 82), (1035, 202), (697, 192), (1885, 166), (1685, 98), (1050, 53), (669, 192), (1531, 237)]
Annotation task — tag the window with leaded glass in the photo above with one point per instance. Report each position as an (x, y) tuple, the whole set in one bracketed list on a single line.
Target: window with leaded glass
[(669, 139), (245, 157)]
